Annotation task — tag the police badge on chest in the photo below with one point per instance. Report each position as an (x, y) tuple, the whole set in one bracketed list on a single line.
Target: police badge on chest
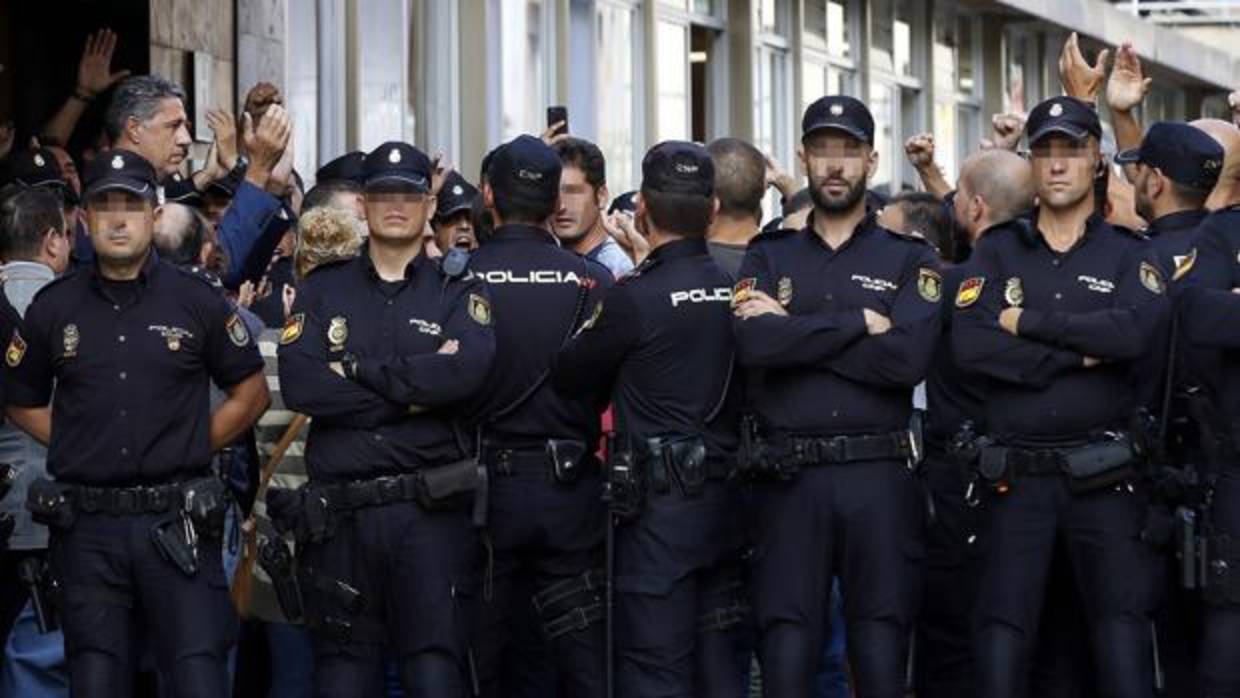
[(337, 333), (174, 337)]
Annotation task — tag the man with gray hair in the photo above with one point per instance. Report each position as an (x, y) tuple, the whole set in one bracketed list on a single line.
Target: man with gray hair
[(147, 117)]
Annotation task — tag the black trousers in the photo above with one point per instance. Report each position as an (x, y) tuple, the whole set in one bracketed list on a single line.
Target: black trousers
[(677, 565), (1220, 651), (416, 574), (862, 522), (1112, 568), (120, 595), (541, 533)]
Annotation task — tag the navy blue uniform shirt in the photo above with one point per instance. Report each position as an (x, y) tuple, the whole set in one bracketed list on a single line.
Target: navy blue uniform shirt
[(131, 363), (826, 375), (536, 287), (663, 337), (1103, 299), (1209, 310), (954, 394), (397, 414)]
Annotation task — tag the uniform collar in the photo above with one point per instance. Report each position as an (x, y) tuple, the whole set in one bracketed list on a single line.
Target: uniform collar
[(676, 249), (146, 274), (864, 227), (521, 231), (1032, 236), (1180, 220), (368, 264)]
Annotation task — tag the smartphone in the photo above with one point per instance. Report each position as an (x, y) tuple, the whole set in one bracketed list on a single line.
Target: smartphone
[(554, 116)]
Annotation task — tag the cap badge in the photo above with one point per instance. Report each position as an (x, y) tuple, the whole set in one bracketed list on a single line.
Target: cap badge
[(1056, 110), (457, 190), (685, 168), (118, 163), (1211, 165), (837, 109), (529, 175), (39, 161), (394, 156)]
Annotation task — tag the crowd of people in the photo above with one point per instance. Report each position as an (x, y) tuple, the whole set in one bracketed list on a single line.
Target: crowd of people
[(404, 433)]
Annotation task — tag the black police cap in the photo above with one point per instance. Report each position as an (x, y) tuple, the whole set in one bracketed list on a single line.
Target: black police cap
[(120, 170), (456, 195), (1184, 153), (35, 168), (840, 113), (1068, 116), (525, 168), (350, 166), (624, 202), (394, 162), (679, 167), (179, 190)]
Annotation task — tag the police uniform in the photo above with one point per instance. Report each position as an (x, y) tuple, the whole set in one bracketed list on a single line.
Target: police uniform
[(1063, 462), (546, 519), (1208, 310), (384, 536), (136, 552), (838, 497), (456, 195), (662, 336)]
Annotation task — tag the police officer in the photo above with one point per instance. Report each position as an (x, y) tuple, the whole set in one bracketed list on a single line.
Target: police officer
[(663, 336), (843, 315), (546, 517), (377, 350), (995, 187), (1055, 312), (131, 345), (1207, 308), (452, 223)]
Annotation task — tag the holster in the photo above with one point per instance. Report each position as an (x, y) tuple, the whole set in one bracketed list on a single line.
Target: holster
[(626, 484), (679, 460), (303, 512), (1100, 465), (49, 506), (992, 466), (173, 540), (449, 486), (753, 456), (276, 559), (206, 503), (568, 457), (44, 592)]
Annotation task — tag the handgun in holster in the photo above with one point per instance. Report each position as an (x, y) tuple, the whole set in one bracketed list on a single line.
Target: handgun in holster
[(41, 585), (626, 485), (679, 460), (177, 543), (303, 512), (206, 503), (48, 505), (276, 559)]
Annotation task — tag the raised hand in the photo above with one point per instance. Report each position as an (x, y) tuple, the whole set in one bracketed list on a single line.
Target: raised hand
[(95, 67), (1128, 85)]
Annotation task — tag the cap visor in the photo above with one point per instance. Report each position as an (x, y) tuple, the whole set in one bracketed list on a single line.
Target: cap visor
[(145, 191), (442, 212), (1128, 157), (1061, 129), (842, 128), (419, 184)]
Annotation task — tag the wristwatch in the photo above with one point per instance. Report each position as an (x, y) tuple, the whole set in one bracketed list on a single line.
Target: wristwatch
[(349, 364)]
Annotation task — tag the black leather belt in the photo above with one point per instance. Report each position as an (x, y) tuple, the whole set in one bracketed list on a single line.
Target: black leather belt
[(359, 494), (1036, 463), (127, 501), (504, 461), (814, 450)]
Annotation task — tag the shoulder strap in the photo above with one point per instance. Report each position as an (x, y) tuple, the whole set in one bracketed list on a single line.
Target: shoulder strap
[(582, 292)]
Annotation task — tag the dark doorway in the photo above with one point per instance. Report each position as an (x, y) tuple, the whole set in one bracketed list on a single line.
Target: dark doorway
[(40, 45)]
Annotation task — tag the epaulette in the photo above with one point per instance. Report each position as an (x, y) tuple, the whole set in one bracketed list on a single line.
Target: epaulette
[(912, 236), (57, 281), (1138, 234), (201, 274), (637, 271)]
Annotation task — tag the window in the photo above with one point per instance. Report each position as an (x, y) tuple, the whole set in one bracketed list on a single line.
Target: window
[(827, 64), (302, 90), (896, 96), (525, 65), (883, 106), (617, 100), (691, 71), (772, 93), (957, 104), (382, 94)]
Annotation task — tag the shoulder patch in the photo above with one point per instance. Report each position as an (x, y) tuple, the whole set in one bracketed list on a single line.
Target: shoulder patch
[(1151, 278), (238, 333), (292, 328), (17, 350), (929, 285), (970, 291), (480, 309), (202, 275), (1184, 264)]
